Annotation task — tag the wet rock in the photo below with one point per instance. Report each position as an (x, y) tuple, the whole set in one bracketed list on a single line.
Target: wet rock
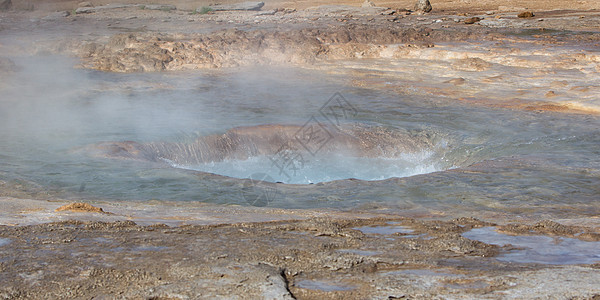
[(471, 65), (57, 15), (7, 66), (368, 3), (87, 10), (389, 12), (548, 227), (559, 83), (543, 106), (165, 7), (84, 10), (267, 12), (550, 94), (80, 207), (423, 6), (5, 5), (526, 14), (237, 6), (472, 20), (456, 81)]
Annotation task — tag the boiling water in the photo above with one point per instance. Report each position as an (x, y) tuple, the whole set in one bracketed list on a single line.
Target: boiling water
[(322, 168), (48, 110)]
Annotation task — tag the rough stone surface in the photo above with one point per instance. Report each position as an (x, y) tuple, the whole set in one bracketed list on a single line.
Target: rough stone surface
[(423, 6), (472, 20), (525, 14), (316, 258), (368, 3), (7, 65), (471, 65), (5, 4), (238, 6), (87, 10), (137, 52), (57, 15), (166, 7), (80, 207)]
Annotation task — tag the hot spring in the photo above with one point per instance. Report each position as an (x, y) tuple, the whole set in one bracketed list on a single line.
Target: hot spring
[(317, 137)]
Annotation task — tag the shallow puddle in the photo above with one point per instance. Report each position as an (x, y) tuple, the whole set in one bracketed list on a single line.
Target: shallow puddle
[(385, 230), (423, 272), (539, 249), (325, 286), (4, 241), (478, 284), (359, 252)]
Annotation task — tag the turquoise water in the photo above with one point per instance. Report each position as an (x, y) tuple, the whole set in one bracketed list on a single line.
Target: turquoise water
[(543, 161)]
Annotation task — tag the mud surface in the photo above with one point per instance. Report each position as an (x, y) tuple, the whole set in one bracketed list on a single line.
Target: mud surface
[(313, 258)]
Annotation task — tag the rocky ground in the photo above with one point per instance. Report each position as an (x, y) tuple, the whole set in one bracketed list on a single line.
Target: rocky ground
[(303, 255), (159, 251)]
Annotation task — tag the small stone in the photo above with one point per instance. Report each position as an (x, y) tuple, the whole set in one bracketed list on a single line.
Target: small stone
[(368, 3), (423, 6), (456, 81), (472, 20), (526, 14), (84, 4), (550, 94)]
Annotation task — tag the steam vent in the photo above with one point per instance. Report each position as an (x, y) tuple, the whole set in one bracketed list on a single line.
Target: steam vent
[(299, 149)]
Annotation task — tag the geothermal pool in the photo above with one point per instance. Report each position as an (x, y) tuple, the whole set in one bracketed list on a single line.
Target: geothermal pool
[(475, 155)]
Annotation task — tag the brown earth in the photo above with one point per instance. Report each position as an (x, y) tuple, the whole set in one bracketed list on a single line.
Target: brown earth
[(438, 5)]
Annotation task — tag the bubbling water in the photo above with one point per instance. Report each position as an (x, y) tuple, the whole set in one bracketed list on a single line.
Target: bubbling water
[(322, 168)]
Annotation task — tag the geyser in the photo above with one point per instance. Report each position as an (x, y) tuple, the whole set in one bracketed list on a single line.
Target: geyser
[(290, 153)]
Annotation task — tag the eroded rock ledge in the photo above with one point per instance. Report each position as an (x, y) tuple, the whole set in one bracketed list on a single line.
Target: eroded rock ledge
[(147, 52)]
